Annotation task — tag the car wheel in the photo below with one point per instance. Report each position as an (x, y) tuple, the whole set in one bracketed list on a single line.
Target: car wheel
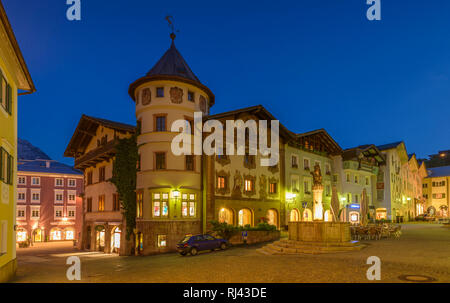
[(194, 251), (223, 246)]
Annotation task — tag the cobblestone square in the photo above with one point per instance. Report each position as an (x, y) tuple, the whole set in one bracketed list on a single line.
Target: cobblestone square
[(423, 249)]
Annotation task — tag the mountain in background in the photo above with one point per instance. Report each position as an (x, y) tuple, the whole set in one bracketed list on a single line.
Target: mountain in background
[(27, 151)]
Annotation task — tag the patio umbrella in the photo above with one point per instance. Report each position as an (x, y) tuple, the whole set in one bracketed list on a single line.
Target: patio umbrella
[(335, 204), (364, 207)]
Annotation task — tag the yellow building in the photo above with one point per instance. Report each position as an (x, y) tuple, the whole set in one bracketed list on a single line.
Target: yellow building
[(14, 76), (436, 190)]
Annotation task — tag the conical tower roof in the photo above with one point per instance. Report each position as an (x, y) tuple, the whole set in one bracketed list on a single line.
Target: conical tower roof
[(171, 66), (172, 63)]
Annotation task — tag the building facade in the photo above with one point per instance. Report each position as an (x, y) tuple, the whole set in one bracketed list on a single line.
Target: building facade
[(93, 147), (49, 201), (357, 172), (169, 187), (436, 191), (14, 77), (303, 152)]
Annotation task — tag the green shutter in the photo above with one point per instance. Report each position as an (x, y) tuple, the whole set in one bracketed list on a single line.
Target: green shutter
[(9, 99), (11, 169)]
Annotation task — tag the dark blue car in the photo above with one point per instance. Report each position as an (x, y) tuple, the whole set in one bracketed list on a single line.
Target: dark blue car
[(194, 244)]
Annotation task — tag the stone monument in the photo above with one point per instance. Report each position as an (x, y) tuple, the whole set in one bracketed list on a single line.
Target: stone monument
[(318, 236)]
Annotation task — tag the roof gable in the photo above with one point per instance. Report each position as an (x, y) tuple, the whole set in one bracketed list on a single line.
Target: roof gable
[(87, 129)]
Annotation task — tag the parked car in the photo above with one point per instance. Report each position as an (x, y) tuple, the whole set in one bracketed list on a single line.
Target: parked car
[(194, 244)]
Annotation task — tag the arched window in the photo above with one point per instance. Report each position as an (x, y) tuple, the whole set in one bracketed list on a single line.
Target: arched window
[(294, 215), (115, 239), (272, 217), (226, 216), (245, 217), (307, 215)]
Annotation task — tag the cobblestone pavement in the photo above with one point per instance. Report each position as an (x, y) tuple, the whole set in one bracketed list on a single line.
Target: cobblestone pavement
[(423, 249)]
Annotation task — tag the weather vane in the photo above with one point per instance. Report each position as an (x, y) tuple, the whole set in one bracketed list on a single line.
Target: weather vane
[(172, 27)]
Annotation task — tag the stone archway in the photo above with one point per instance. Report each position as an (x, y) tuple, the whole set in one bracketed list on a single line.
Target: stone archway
[(226, 216), (100, 233), (294, 215), (272, 217), (307, 215), (116, 233), (245, 217)]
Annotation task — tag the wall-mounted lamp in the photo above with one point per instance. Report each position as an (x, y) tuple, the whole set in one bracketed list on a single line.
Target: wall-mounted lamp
[(290, 196)]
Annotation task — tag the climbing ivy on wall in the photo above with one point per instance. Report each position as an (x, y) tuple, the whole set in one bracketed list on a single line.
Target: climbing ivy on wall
[(124, 178)]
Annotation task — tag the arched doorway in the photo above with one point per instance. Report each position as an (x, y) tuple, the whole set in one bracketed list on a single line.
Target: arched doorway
[(226, 216), (22, 235), (272, 217), (443, 211), (294, 215), (115, 239), (55, 234), (37, 235), (327, 216), (307, 215), (69, 234), (100, 238), (245, 217)]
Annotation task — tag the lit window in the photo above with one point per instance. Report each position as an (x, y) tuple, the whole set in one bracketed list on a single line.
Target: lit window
[(184, 209), (101, 203), (220, 182), (192, 209), (165, 209), (162, 240), (140, 205), (273, 188), (248, 185), (71, 213), (156, 209)]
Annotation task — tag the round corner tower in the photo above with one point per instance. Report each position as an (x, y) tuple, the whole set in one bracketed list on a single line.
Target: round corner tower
[(169, 196)]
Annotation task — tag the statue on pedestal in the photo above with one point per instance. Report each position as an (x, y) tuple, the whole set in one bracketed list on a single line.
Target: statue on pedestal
[(317, 190)]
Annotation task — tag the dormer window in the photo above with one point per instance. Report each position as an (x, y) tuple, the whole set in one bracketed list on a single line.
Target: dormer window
[(160, 92)]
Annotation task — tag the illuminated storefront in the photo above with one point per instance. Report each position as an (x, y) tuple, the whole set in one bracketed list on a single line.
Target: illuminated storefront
[(22, 235)]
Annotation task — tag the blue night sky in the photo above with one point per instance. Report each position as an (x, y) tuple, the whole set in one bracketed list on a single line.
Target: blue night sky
[(313, 64)]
